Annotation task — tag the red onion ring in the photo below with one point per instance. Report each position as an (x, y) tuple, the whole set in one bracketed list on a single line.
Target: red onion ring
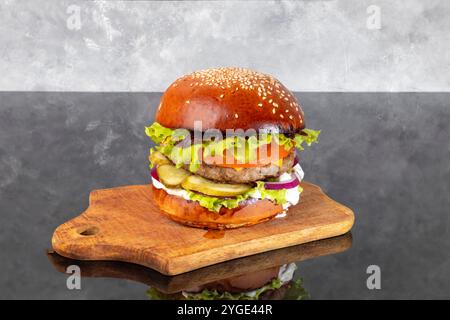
[(248, 201), (154, 174), (289, 184), (295, 160)]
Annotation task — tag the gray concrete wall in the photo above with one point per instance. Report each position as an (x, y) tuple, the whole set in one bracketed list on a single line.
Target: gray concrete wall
[(144, 45)]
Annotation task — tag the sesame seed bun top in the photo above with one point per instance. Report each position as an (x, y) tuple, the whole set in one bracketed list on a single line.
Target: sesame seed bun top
[(230, 98)]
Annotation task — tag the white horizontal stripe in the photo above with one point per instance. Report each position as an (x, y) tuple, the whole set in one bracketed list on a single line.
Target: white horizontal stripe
[(145, 45)]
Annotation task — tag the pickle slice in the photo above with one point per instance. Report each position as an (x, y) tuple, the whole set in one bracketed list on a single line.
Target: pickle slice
[(171, 176), (158, 159), (205, 186)]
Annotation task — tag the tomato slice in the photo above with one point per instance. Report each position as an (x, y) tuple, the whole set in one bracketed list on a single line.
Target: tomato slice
[(264, 157)]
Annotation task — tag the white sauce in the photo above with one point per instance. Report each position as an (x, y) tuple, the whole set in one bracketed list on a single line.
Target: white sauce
[(286, 272), (281, 215), (284, 177), (174, 192), (292, 197), (298, 171)]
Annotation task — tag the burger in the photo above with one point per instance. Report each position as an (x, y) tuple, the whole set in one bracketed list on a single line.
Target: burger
[(274, 283), (225, 155)]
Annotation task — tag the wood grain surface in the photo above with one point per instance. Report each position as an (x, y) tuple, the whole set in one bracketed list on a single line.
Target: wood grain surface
[(124, 224)]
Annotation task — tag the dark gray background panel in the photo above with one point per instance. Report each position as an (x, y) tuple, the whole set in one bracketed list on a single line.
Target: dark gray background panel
[(385, 155)]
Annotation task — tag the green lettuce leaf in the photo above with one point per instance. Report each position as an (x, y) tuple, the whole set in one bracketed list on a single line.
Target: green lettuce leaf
[(179, 156), (284, 141), (151, 165), (215, 203), (155, 294), (244, 150), (309, 136), (215, 295), (158, 133), (296, 291), (277, 196), (213, 148)]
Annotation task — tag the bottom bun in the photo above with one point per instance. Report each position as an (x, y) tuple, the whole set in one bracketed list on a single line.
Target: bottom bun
[(194, 215), (243, 283)]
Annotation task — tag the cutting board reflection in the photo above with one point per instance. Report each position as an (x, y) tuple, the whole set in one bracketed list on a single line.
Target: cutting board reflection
[(220, 271), (124, 224)]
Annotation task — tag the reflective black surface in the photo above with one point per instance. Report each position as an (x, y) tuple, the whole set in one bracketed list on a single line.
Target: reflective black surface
[(238, 275), (387, 156)]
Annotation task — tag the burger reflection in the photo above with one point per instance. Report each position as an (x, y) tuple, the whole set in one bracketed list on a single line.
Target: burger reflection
[(272, 275), (270, 284)]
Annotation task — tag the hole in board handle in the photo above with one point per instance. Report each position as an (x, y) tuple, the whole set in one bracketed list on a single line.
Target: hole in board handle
[(89, 231)]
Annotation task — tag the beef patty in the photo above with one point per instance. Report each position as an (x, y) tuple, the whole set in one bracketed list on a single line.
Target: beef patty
[(244, 175)]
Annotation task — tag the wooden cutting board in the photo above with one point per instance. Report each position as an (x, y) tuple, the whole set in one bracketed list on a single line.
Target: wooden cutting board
[(124, 224)]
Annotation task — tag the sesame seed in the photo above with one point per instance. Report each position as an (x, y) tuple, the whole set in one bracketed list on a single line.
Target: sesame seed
[(233, 79), (221, 96), (260, 104), (281, 116), (187, 101), (291, 117), (273, 110), (287, 110), (236, 115), (275, 104)]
